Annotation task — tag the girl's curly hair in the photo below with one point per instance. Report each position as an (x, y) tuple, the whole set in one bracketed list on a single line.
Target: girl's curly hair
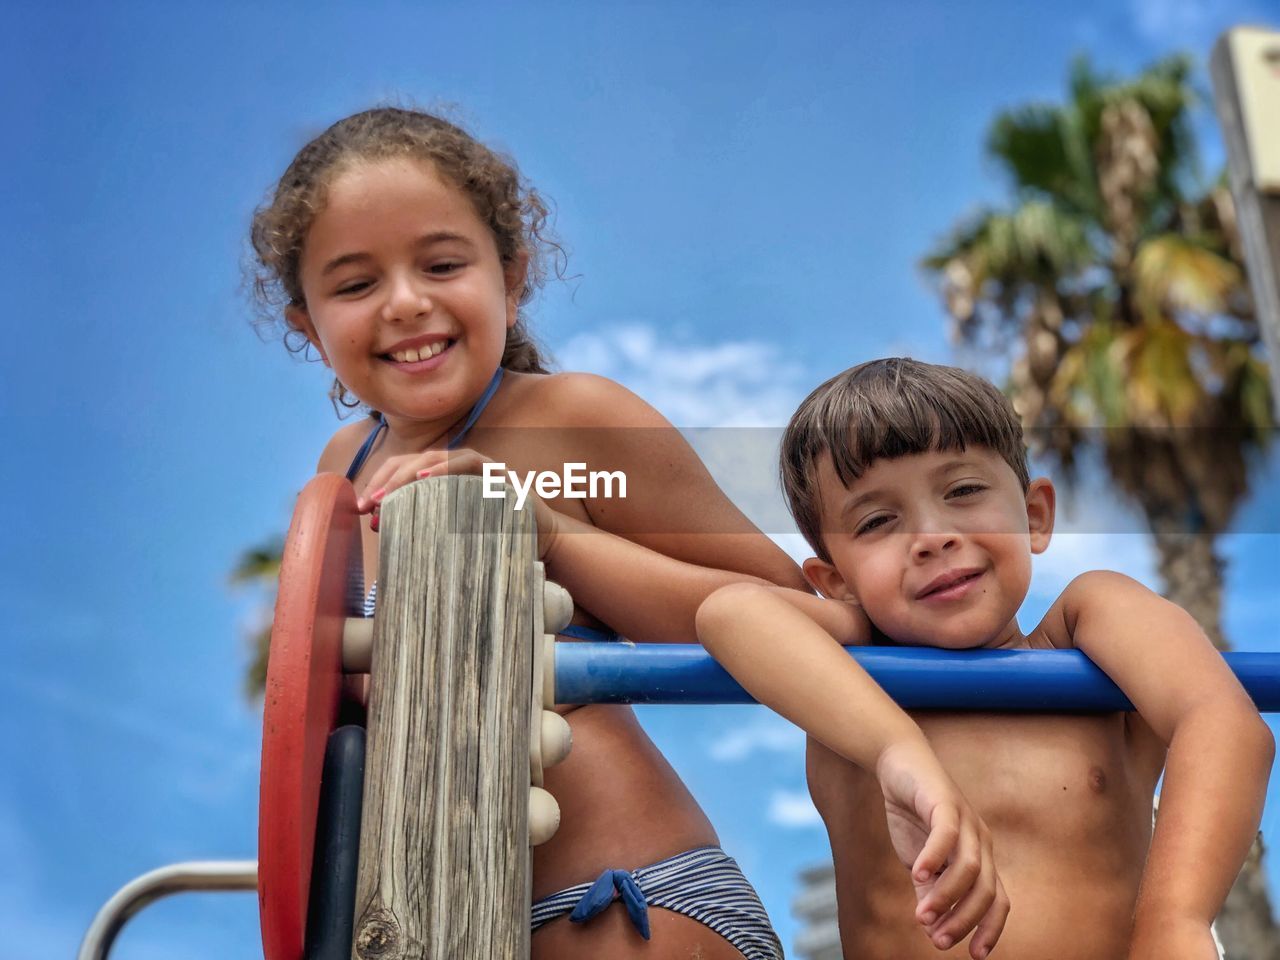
[(514, 211)]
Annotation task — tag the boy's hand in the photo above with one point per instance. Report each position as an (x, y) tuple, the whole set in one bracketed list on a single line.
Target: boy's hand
[(947, 847), (396, 472), (1172, 938)]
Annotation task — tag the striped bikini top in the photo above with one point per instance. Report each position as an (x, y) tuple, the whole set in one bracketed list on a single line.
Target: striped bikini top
[(371, 600)]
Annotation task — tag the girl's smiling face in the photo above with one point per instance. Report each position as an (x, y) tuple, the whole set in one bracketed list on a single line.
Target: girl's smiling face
[(406, 297)]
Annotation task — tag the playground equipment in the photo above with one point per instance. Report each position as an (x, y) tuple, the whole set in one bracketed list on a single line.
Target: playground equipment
[(1245, 67), (411, 835)]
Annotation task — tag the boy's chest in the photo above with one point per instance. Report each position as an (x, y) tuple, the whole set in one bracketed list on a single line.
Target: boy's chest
[(1055, 776), (1041, 782), (1068, 802)]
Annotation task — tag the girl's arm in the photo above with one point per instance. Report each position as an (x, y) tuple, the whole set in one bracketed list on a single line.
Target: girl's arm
[(644, 563), (678, 537), (1219, 758)]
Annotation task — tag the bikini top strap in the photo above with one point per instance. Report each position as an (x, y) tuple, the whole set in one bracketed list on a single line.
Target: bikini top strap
[(478, 409), (363, 453)]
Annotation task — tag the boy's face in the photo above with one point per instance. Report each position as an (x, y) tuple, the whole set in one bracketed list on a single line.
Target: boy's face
[(935, 547)]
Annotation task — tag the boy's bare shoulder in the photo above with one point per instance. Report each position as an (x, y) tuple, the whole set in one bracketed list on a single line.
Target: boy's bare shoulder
[(1088, 592), (342, 446)]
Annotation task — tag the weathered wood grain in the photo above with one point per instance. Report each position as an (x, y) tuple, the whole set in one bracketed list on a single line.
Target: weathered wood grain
[(444, 849)]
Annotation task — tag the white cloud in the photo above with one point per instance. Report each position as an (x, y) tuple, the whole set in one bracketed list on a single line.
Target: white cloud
[(792, 809), (769, 733), (740, 383)]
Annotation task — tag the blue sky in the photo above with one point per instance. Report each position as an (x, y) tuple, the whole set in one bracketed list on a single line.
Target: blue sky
[(745, 191)]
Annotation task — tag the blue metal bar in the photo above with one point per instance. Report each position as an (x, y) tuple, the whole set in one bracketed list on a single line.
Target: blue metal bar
[(916, 677)]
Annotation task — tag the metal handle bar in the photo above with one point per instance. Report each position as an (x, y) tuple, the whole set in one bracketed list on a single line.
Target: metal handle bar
[(193, 875)]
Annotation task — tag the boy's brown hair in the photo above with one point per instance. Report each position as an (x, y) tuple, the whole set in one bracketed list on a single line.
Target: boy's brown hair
[(890, 408)]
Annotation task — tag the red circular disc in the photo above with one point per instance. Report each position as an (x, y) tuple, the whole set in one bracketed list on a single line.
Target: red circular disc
[(320, 565)]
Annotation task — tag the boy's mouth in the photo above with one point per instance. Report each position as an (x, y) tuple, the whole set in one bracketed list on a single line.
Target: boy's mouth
[(948, 583)]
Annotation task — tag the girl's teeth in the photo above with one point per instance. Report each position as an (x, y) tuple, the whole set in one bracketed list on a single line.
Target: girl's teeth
[(413, 355)]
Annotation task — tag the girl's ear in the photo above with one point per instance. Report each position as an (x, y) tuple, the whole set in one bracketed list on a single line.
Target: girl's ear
[(514, 274), (300, 320), (826, 579), (1041, 506)]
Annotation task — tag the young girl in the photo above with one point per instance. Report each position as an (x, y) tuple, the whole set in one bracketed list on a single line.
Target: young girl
[(402, 249)]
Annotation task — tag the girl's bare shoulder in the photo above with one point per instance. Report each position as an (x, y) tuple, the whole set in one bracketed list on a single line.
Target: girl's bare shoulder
[(342, 446), (578, 400)]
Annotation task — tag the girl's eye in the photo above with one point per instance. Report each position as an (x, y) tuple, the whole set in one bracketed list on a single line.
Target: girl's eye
[(444, 269), (355, 287)]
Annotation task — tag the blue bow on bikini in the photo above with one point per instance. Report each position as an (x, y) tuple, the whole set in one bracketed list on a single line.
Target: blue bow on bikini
[(613, 883)]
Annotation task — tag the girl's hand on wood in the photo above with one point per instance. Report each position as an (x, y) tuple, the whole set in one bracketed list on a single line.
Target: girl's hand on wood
[(396, 472)]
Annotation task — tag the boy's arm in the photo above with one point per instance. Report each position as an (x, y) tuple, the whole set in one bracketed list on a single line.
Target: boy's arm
[(781, 646), (1219, 758), (784, 647)]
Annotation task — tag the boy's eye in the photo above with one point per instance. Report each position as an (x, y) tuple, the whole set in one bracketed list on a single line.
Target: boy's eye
[(872, 523), (966, 489)]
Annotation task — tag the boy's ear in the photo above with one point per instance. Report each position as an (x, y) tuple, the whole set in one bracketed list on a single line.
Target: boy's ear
[(514, 274), (826, 579), (1041, 505), (300, 320)]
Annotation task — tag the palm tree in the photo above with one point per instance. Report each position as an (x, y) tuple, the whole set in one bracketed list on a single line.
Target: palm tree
[(259, 568), (1115, 281)]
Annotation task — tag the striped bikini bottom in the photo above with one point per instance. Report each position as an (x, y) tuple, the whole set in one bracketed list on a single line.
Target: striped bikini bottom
[(705, 884)]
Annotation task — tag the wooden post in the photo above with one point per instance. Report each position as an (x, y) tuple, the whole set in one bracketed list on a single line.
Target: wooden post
[(444, 845), (1245, 69)]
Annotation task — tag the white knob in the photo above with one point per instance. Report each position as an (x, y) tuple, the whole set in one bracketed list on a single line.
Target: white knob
[(544, 816), (556, 738), (557, 607)]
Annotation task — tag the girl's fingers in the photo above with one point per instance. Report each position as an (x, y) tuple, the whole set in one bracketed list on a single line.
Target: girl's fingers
[(395, 473), (374, 490), (459, 463)]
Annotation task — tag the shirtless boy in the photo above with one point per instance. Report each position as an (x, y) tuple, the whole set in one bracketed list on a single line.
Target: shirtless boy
[(910, 483)]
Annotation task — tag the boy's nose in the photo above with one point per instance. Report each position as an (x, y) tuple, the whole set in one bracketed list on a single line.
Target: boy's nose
[(928, 544)]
